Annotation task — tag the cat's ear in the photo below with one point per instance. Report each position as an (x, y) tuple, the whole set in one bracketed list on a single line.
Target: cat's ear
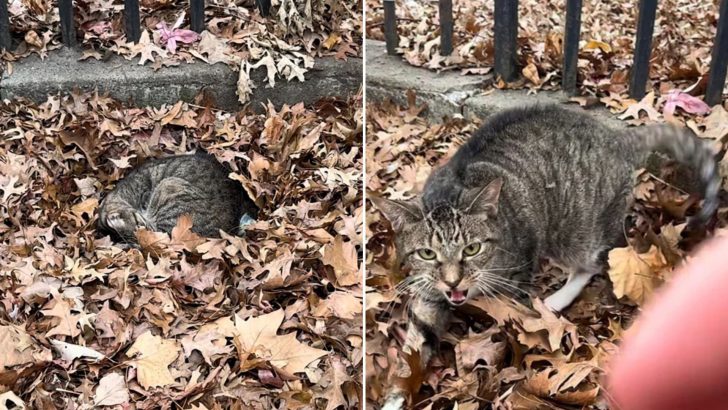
[(483, 200), (399, 213)]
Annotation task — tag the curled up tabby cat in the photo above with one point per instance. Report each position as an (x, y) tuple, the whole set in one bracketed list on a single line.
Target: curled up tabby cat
[(157, 193), (532, 182)]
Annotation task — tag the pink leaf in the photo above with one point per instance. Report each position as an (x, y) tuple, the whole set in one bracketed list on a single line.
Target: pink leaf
[(171, 36), (687, 102), (186, 36)]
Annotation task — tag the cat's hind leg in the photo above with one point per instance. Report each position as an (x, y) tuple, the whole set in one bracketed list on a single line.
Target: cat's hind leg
[(579, 276), (563, 297)]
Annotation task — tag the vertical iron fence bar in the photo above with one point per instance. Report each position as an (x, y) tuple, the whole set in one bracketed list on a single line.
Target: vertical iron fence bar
[(506, 36), (197, 15), (446, 27), (5, 39), (264, 7), (65, 10), (571, 45), (390, 27), (642, 49), (719, 59), (132, 23)]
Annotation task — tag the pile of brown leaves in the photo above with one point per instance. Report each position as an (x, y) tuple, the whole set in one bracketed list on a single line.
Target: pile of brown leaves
[(497, 351), (285, 43), (684, 32), (271, 319)]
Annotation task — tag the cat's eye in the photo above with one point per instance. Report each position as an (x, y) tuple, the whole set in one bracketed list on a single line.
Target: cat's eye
[(472, 249), (426, 254)]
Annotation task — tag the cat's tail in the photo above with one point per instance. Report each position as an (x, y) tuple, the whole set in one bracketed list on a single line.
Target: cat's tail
[(685, 147)]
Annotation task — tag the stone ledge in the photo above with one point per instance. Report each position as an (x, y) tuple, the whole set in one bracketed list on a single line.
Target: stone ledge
[(125, 80)]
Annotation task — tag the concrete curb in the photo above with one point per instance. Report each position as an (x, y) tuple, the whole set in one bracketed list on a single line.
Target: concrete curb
[(449, 93), (125, 80)]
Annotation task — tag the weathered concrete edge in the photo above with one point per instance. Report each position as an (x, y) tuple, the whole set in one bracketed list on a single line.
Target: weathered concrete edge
[(127, 81), (450, 93)]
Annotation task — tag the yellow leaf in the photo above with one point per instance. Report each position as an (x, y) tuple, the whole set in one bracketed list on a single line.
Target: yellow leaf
[(332, 40), (155, 356), (258, 335), (531, 73), (635, 275), (594, 44)]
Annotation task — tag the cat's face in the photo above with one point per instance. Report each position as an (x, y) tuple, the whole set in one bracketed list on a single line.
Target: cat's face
[(455, 251)]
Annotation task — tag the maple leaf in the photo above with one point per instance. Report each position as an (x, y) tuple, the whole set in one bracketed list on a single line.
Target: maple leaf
[(112, 390), (635, 275), (342, 257), (258, 335), (154, 357)]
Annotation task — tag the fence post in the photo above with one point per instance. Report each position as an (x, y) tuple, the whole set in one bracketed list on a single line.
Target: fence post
[(571, 45), (642, 49), (390, 27), (197, 15), (132, 24), (65, 10), (506, 36), (719, 59), (6, 41), (264, 7), (446, 27)]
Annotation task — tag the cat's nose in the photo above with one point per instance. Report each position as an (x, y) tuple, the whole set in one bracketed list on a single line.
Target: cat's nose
[(452, 282)]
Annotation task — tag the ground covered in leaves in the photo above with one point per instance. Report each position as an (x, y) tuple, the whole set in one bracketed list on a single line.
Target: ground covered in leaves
[(684, 33), (285, 43), (270, 319), (498, 354)]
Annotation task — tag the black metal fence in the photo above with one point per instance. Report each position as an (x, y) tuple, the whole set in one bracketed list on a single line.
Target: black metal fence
[(506, 30), (132, 23)]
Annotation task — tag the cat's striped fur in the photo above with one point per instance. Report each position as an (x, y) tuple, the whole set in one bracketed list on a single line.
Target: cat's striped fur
[(158, 192), (535, 182)]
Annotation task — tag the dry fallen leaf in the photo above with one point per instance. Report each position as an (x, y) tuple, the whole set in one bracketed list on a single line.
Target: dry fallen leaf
[(152, 357), (342, 257), (112, 390), (635, 275), (258, 335)]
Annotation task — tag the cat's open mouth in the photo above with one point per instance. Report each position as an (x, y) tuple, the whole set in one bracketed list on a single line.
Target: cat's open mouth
[(456, 297)]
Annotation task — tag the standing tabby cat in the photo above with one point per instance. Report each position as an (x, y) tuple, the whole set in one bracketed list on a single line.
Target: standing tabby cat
[(158, 192), (533, 182)]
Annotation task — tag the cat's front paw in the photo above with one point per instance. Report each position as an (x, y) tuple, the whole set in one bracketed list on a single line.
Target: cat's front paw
[(116, 221), (124, 222), (394, 402)]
